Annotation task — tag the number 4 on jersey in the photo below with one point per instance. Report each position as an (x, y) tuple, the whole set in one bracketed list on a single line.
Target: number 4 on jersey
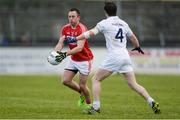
[(119, 34)]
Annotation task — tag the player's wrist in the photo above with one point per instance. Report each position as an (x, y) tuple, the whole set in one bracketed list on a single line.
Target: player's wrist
[(67, 53), (69, 39), (137, 46), (86, 34)]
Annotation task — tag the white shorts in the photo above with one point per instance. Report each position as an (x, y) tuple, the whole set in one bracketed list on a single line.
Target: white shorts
[(83, 67), (117, 63)]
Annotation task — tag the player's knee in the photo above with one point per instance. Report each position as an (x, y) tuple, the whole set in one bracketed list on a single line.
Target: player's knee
[(95, 79), (134, 86), (65, 82), (131, 85)]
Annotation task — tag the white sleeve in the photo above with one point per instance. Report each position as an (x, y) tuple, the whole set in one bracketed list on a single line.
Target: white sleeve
[(129, 31), (100, 26), (91, 32)]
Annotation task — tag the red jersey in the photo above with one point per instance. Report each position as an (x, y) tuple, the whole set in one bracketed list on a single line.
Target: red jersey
[(85, 54)]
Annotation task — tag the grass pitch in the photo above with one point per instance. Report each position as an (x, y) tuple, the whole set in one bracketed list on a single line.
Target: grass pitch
[(34, 97)]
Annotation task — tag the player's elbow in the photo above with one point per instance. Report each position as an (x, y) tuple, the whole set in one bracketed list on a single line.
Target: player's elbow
[(79, 48)]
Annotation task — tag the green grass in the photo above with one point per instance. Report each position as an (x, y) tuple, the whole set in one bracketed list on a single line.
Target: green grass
[(34, 97)]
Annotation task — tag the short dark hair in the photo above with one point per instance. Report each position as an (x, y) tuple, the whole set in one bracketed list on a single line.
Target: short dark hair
[(75, 9), (110, 8)]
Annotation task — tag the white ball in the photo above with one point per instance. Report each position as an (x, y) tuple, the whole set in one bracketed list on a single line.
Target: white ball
[(51, 58)]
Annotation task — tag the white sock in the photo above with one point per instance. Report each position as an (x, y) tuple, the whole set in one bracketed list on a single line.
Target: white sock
[(96, 105), (150, 100)]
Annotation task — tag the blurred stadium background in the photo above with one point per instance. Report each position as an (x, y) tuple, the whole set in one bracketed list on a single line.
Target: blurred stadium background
[(29, 29), (37, 22), (32, 26)]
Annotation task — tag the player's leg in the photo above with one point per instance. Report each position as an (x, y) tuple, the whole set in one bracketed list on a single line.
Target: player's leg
[(106, 69), (84, 70), (68, 75), (68, 80), (96, 82), (131, 80), (84, 88), (96, 86)]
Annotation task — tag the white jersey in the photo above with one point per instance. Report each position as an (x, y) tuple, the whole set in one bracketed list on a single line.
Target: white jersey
[(116, 32)]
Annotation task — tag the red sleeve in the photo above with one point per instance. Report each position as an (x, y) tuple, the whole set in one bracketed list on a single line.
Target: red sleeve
[(83, 28)]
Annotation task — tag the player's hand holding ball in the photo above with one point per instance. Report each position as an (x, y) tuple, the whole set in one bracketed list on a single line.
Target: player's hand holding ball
[(55, 58), (61, 56), (52, 58)]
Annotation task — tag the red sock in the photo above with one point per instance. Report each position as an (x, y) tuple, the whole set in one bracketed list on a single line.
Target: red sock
[(88, 100)]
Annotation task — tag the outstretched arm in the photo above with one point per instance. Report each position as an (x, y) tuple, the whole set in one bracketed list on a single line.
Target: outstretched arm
[(135, 42), (88, 34)]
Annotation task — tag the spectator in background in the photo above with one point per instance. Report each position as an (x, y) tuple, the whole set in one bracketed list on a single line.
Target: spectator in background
[(25, 39), (3, 40)]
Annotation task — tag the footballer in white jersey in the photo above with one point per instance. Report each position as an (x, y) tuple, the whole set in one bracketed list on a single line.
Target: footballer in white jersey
[(116, 32)]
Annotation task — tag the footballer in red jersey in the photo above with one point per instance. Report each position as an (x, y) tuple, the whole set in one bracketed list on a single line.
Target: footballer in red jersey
[(81, 57), (69, 31)]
